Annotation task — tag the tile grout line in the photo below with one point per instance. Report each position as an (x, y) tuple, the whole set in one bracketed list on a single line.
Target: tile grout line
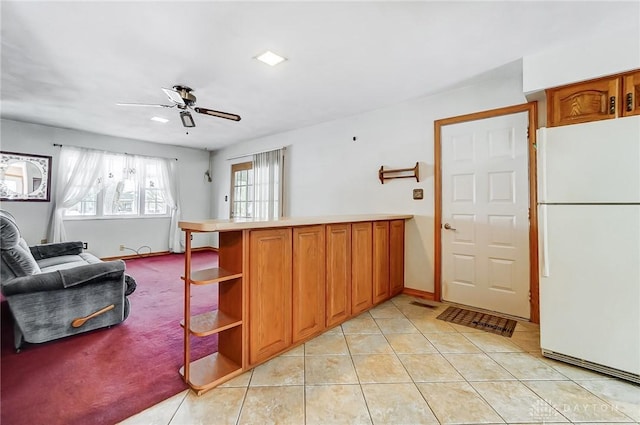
[(356, 370), (244, 398), (179, 406), (604, 400), (463, 377), (407, 371), (304, 382), (470, 383), (549, 401)]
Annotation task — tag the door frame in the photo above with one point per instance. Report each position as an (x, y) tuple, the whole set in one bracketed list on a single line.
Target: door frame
[(532, 109)]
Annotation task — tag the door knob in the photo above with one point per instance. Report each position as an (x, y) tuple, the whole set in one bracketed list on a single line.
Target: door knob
[(447, 226)]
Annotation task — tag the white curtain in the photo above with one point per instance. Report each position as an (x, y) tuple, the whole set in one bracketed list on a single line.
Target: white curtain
[(78, 170), (82, 170), (268, 184), (121, 175), (169, 176)]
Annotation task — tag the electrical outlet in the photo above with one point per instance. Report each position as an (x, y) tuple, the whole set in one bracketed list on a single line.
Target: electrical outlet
[(121, 247), (85, 245), (418, 194)]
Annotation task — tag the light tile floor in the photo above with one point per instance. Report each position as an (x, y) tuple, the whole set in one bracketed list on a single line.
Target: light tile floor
[(398, 364)]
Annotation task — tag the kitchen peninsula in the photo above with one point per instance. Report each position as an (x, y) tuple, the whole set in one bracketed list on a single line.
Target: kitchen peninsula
[(283, 282)]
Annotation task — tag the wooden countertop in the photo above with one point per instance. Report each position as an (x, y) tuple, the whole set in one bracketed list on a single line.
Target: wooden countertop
[(212, 225)]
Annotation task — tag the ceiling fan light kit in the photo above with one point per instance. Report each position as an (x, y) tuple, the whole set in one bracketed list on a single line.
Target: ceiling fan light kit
[(183, 98), (187, 119)]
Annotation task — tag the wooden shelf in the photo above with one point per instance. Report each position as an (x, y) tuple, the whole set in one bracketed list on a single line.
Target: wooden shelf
[(399, 173), (213, 275), (211, 322), (210, 371)]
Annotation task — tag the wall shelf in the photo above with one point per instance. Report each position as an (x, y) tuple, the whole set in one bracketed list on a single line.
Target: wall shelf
[(399, 173)]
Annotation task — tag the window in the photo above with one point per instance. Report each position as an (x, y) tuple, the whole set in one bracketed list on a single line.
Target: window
[(87, 206), (242, 190), (127, 186), (257, 187), (153, 193)]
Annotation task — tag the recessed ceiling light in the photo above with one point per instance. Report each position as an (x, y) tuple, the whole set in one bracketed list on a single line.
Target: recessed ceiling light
[(159, 119), (270, 58)]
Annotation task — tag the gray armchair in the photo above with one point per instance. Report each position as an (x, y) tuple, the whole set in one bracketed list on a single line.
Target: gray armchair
[(57, 290)]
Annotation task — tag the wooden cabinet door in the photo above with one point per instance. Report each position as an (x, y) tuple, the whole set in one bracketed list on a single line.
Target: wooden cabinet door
[(269, 292), (308, 281), (631, 94), (396, 256), (361, 267), (589, 101), (338, 263), (380, 261)]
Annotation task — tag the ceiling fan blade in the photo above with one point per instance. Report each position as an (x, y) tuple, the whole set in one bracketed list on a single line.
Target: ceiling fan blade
[(218, 114), (146, 104), (174, 96)]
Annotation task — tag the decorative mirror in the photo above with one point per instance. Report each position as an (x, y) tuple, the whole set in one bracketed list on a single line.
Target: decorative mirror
[(24, 177)]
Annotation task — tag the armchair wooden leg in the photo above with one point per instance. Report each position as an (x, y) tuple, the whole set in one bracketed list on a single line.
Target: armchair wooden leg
[(76, 323)]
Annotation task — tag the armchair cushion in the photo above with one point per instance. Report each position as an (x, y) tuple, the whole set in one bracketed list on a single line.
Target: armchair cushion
[(9, 230), (67, 261), (19, 260), (65, 278), (49, 250)]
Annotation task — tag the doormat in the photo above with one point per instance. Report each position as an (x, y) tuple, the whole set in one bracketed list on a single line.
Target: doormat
[(483, 321)]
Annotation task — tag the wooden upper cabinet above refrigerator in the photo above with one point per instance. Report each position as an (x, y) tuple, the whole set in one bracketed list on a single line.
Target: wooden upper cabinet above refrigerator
[(631, 94), (600, 99), (583, 102)]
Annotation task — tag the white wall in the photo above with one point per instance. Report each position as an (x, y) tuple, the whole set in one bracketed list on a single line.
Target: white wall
[(104, 236), (330, 174)]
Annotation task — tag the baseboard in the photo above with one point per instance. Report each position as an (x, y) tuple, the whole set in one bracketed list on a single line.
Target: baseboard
[(132, 256), (205, 248), (156, 254), (419, 294)]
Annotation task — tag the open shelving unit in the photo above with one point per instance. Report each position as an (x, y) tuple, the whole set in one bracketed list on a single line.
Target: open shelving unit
[(226, 321)]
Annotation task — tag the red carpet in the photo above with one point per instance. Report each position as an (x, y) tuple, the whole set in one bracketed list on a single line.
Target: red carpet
[(107, 375)]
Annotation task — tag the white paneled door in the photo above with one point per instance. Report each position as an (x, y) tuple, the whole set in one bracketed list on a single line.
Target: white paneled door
[(485, 214)]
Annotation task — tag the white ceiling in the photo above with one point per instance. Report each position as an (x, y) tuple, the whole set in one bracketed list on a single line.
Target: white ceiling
[(67, 64)]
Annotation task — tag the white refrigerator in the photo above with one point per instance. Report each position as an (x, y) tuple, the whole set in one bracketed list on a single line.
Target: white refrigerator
[(589, 239)]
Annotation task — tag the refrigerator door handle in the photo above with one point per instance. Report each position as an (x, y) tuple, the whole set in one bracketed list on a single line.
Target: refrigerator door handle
[(541, 145), (544, 257)]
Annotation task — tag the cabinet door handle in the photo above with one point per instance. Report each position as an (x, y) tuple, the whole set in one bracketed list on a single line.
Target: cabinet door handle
[(612, 105), (629, 102)]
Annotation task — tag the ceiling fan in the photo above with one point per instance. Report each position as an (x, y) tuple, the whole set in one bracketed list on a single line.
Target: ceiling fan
[(182, 97)]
